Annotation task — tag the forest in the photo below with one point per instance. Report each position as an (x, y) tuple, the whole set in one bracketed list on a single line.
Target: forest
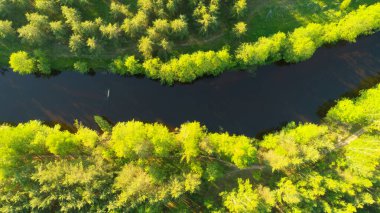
[(173, 40), (147, 167), (83, 61)]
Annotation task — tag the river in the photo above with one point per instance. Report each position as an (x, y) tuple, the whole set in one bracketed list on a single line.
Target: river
[(237, 102)]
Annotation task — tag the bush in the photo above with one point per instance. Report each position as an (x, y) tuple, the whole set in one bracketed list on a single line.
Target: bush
[(81, 66), (21, 62)]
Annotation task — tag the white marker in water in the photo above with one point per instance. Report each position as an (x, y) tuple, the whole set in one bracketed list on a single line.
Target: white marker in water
[(108, 93)]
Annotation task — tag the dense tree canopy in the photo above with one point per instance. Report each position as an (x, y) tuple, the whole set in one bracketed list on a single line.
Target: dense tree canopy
[(166, 37), (136, 166)]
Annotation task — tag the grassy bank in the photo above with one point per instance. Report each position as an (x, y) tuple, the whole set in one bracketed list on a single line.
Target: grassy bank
[(261, 19)]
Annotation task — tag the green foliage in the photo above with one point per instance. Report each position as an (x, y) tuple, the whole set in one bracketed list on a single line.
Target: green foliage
[(16, 146), (6, 29), (62, 142), (238, 149), (240, 7), (145, 167), (58, 29), (35, 32), (129, 140), (87, 137), (263, 51), (240, 29), (103, 124), (42, 62), (301, 44), (345, 4), (360, 22), (132, 65), (162, 39), (110, 31), (191, 135), (295, 146), (247, 199), (360, 111), (76, 43), (81, 66), (21, 62), (70, 185)]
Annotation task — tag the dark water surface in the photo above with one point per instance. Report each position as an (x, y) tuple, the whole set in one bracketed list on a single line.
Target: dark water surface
[(235, 101)]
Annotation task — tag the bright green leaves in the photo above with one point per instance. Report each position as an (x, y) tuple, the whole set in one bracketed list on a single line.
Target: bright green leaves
[(190, 135), (363, 155), (195, 140), (89, 138), (185, 68), (345, 111), (136, 139), (361, 111), (263, 51), (6, 30), (247, 199), (132, 65), (287, 192), (301, 44), (239, 149), (134, 184), (141, 166), (71, 184), (162, 140), (361, 21), (62, 142), (295, 145), (129, 140), (18, 145), (21, 62)]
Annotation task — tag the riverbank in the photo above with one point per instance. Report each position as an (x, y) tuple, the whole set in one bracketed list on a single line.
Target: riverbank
[(240, 102), (188, 67), (135, 165)]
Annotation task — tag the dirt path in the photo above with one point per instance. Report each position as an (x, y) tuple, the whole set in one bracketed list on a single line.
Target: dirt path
[(351, 138)]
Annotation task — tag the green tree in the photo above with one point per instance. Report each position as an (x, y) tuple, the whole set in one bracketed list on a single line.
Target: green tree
[(240, 7), (129, 140), (71, 15), (21, 62), (345, 4), (6, 30), (133, 66), (295, 146), (240, 29), (110, 31), (76, 43), (190, 136), (47, 6), (81, 66), (179, 27), (145, 46), (42, 62), (58, 29), (36, 31), (263, 51), (247, 199)]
